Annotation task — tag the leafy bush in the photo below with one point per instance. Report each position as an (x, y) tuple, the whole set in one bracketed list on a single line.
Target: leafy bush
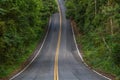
[(22, 24)]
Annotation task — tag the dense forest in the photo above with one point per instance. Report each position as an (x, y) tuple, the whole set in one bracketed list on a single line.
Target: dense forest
[(22, 25), (98, 22)]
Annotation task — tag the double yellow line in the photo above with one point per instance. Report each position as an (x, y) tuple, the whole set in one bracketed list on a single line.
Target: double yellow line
[(56, 75)]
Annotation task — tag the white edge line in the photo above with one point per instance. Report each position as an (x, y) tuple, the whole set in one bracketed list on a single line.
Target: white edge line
[(35, 55), (82, 57), (76, 45)]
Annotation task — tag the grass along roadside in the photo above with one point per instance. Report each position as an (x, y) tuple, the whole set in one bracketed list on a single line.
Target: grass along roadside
[(8, 70), (95, 56)]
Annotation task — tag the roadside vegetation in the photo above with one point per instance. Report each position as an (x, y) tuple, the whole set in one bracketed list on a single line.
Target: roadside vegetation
[(22, 25), (98, 22)]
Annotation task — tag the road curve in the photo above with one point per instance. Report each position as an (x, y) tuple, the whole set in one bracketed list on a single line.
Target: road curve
[(42, 68), (66, 65)]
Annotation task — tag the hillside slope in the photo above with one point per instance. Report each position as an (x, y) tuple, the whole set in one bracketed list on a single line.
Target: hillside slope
[(98, 22), (22, 25)]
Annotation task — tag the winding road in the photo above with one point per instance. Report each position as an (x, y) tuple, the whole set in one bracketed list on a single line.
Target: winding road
[(58, 58)]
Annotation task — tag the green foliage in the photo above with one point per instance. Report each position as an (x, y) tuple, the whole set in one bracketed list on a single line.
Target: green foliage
[(99, 23), (116, 54), (22, 24)]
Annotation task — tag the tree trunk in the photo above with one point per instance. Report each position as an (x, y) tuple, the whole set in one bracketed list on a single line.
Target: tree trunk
[(111, 24), (95, 7)]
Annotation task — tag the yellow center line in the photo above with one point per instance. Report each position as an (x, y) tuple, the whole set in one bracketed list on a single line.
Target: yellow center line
[(56, 75)]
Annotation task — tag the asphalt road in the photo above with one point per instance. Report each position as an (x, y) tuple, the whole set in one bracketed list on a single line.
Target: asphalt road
[(59, 43)]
